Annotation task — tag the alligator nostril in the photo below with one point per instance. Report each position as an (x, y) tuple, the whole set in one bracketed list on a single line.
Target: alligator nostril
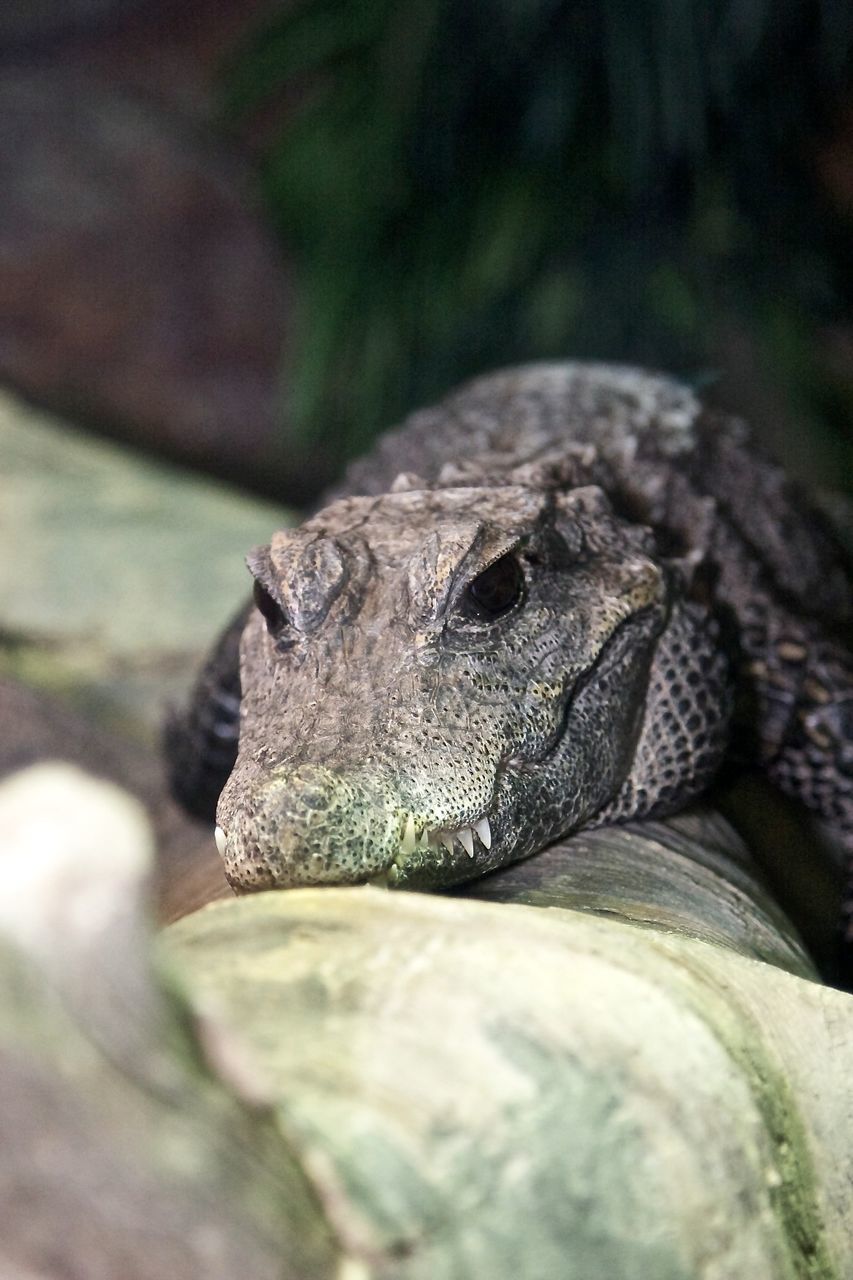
[(314, 797)]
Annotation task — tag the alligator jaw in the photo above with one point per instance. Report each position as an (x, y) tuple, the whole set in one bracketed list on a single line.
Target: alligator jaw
[(480, 829), (416, 837), (445, 835)]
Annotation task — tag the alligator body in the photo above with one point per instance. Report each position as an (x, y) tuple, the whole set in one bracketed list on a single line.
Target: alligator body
[(557, 599)]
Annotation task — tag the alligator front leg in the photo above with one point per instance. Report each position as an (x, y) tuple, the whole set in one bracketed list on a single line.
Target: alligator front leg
[(802, 683)]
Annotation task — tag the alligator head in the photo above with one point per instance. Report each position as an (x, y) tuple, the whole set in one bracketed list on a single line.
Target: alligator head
[(438, 682)]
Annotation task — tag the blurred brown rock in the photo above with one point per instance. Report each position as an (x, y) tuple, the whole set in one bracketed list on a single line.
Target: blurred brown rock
[(140, 290)]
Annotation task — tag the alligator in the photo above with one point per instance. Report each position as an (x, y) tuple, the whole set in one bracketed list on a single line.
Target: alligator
[(560, 598)]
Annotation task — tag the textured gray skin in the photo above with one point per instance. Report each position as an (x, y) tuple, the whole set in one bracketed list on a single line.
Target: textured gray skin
[(666, 568)]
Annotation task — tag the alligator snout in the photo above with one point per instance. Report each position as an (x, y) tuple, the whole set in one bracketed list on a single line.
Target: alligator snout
[(313, 825), (307, 825)]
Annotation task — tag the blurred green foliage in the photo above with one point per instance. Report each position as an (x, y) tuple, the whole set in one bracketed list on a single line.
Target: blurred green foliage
[(466, 184)]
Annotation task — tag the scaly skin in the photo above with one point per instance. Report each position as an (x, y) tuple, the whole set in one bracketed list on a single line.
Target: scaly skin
[(649, 568)]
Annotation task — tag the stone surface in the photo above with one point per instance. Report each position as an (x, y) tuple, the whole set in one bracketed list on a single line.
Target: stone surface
[(115, 571), (120, 1154), (689, 874), (139, 287), (35, 727), (75, 853), (496, 1090)]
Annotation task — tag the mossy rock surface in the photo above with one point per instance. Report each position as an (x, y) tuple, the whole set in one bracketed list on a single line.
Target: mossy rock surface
[(119, 569), (497, 1090), (359, 1085)]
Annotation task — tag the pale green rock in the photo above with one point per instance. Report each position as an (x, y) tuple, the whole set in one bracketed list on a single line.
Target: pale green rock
[(365, 1085), (116, 571), (124, 1155), (498, 1090)]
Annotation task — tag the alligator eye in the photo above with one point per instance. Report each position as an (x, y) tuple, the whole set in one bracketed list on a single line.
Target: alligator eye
[(494, 591), (271, 610)]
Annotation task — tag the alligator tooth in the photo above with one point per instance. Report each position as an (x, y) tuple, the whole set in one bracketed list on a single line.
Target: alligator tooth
[(379, 881), (220, 838), (465, 836), (484, 831), (408, 842), (423, 841), (447, 840)]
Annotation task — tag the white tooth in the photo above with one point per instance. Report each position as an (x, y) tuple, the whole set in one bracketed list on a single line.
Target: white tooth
[(423, 842), (220, 838), (408, 843), (465, 836), (447, 840), (484, 831)]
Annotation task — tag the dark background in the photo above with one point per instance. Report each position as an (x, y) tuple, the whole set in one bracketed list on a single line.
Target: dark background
[(249, 236)]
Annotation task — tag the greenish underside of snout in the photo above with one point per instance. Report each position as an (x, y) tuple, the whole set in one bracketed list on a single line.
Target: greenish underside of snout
[(307, 826)]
